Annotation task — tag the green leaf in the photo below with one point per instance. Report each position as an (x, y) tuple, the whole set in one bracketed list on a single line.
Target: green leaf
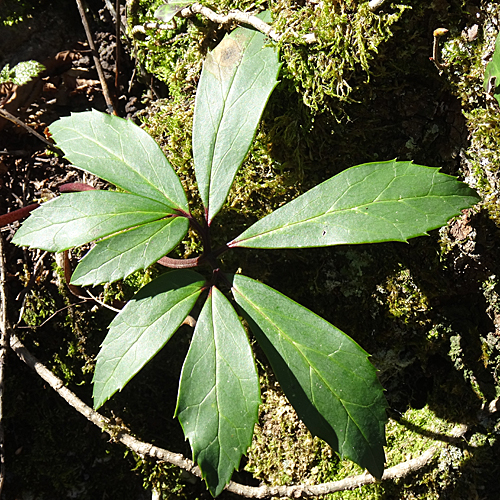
[(493, 71), (388, 201), (119, 152), (168, 11), (78, 218), (118, 256), (142, 328), (219, 393), (237, 79), (325, 375)]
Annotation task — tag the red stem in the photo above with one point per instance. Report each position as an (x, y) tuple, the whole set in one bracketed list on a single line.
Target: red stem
[(19, 214), (73, 187)]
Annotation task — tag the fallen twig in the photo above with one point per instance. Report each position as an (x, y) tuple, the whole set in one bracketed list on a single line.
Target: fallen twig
[(97, 301), (4, 344), (19, 122), (233, 16), (147, 449), (95, 54)]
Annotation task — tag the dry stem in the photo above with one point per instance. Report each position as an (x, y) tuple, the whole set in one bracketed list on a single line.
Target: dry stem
[(97, 62), (19, 122), (4, 344), (233, 16)]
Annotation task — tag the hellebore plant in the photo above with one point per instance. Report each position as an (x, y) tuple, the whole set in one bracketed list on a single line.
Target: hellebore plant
[(326, 376)]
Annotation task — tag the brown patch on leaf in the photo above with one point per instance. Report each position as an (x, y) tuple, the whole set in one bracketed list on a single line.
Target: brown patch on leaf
[(224, 58)]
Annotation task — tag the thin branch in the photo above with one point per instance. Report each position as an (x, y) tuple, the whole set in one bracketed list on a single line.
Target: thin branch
[(96, 418), (95, 54), (233, 16), (19, 122), (147, 449), (4, 344), (107, 306)]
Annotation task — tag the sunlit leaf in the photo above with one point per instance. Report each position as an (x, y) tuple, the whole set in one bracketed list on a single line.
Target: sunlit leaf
[(237, 79), (119, 152), (325, 375), (142, 328), (219, 392), (118, 256), (388, 201), (78, 218)]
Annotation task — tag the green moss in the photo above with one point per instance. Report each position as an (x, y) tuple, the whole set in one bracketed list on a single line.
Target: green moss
[(38, 307), (402, 297), (126, 288), (15, 11), (282, 449), (162, 477), (347, 36), (284, 452)]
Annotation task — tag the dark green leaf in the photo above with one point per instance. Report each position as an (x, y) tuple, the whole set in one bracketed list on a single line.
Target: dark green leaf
[(388, 201), (219, 392), (493, 71), (78, 218), (237, 79), (119, 152), (118, 256), (142, 328), (326, 376), (168, 11)]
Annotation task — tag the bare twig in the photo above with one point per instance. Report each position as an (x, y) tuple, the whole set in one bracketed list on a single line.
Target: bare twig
[(4, 344), (147, 449), (96, 418), (95, 54), (97, 301), (233, 16), (19, 122)]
